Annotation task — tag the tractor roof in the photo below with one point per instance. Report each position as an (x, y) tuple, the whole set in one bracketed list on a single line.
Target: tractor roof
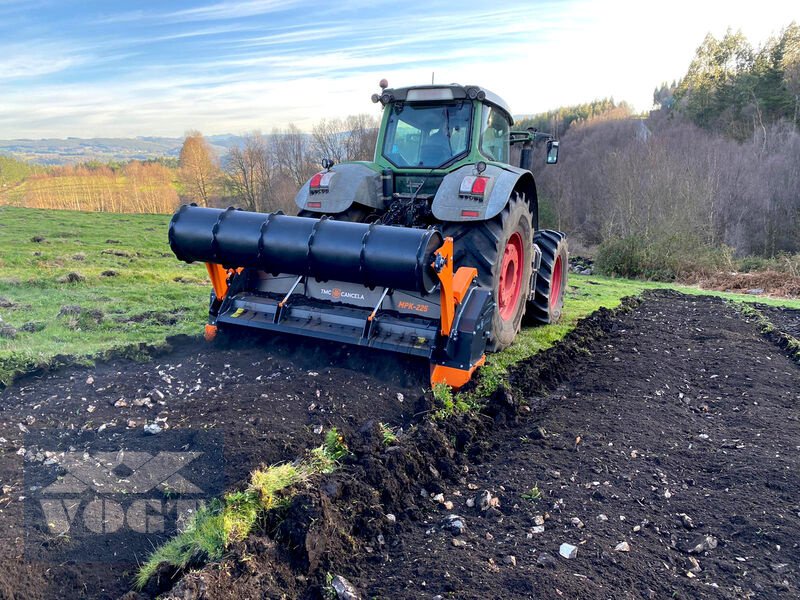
[(456, 92)]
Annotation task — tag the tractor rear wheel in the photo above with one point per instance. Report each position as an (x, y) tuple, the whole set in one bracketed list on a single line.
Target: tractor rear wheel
[(551, 280), (501, 249)]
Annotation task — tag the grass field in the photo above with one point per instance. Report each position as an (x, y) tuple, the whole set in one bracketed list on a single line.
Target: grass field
[(117, 269), (77, 286)]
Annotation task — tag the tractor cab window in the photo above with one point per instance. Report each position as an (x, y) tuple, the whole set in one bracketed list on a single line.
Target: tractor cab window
[(427, 136), (495, 129)]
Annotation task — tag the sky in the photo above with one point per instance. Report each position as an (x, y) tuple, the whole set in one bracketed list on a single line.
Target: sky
[(119, 68)]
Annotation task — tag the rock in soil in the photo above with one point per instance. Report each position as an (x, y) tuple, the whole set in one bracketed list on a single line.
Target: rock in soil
[(568, 550), (344, 589)]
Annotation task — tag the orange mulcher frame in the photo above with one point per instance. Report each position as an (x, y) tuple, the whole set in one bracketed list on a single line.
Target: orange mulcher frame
[(453, 289)]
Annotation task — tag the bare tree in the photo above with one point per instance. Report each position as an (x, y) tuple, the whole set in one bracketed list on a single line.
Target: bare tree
[(199, 172), (292, 152), (249, 173)]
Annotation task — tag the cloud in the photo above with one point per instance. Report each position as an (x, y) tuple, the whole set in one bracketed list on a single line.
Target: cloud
[(246, 64), (209, 12)]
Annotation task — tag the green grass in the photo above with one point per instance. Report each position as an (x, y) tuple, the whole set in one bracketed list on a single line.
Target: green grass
[(142, 304)]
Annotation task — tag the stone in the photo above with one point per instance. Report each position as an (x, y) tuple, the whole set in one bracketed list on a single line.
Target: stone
[(601, 517), (576, 522), (455, 524), (568, 551), (458, 543), (703, 544), (686, 521), (510, 560), (391, 518), (485, 500), (344, 589), (622, 547), (695, 565), (152, 428)]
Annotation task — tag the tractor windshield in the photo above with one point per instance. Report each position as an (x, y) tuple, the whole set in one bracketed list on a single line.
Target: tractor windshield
[(427, 135)]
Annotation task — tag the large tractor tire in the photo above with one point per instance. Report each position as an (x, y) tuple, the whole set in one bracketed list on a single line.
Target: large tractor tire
[(502, 251), (551, 280)]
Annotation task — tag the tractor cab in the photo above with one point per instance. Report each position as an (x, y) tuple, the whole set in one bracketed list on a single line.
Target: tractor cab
[(442, 127)]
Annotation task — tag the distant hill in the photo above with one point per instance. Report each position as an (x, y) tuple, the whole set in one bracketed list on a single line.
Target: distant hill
[(72, 150)]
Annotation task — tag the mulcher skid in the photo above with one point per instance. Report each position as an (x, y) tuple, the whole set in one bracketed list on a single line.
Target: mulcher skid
[(391, 288)]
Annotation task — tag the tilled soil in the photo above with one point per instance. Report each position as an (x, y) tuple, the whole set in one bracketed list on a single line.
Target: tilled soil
[(268, 399), (670, 426), (678, 429)]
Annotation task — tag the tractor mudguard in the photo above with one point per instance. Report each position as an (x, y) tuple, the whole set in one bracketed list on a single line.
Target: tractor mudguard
[(348, 183), (448, 203)]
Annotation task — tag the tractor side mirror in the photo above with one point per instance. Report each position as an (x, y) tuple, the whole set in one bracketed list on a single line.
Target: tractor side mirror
[(552, 152)]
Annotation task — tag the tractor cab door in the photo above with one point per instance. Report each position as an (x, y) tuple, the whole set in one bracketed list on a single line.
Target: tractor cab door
[(495, 138)]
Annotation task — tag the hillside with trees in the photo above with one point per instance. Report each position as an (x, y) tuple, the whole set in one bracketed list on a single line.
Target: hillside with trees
[(710, 176)]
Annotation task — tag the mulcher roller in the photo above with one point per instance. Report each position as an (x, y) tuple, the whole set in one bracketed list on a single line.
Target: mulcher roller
[(366, 254)]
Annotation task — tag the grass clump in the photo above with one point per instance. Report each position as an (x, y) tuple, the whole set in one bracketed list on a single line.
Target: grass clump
[(533, 495), (229, 520), (387, 435)]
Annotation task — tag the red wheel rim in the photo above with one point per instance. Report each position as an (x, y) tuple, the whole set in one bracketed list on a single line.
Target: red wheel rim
[(555, 283), (510, 277)]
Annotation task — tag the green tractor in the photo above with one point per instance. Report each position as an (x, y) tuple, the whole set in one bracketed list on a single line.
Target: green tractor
[(441, 211)]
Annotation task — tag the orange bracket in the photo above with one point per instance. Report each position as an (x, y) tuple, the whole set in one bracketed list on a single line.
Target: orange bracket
[(453, 288), (219, 279)]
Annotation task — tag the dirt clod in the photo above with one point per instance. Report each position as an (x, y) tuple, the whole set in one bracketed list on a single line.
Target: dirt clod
[(71, 277)]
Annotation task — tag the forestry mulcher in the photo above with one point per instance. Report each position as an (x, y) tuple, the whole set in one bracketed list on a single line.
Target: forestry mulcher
[(432, 249)]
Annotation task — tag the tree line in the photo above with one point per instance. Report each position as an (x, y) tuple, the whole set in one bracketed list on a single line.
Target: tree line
[(265, 173)]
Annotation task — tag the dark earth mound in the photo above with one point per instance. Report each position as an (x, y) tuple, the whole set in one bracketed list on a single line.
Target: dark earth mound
[(671, 426)]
